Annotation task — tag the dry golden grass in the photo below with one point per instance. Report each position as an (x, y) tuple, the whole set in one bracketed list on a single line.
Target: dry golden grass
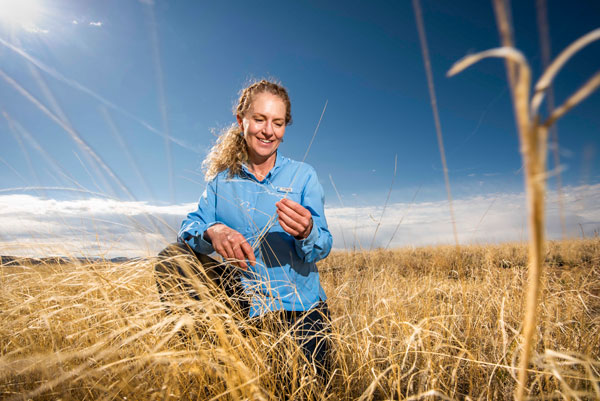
[(428, 323), (533, 136)]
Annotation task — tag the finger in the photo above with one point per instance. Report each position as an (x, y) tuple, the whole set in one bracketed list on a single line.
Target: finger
[(290, 222), (288, 229), (240, 257), (282, 207), (298, 208), (236, 241), (229, 254), (297, 222), (220, 250), (247, 249)]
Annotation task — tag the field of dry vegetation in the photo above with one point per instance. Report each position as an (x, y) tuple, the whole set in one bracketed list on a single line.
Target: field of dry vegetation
[(424, 323), (431, 323)]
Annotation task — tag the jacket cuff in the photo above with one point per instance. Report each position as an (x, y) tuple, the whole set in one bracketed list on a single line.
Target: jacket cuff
[(305, 246), (197, 242)]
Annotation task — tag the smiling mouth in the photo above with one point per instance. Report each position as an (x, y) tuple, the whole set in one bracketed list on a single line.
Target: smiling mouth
[(265, 140)]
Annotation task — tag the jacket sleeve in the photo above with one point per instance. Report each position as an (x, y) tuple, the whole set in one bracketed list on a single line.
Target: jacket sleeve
[(197, 222), (318, 243)]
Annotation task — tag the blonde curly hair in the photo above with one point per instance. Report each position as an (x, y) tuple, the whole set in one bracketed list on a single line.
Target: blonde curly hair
[(230, 151)]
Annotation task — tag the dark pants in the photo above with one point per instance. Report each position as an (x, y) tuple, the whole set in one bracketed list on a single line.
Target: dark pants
[(178, 269), (311, 329)]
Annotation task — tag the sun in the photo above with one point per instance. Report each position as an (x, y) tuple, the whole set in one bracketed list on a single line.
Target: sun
[(20, 13)]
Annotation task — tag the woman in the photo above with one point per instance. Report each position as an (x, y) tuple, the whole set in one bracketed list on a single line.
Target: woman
[(263, 213)]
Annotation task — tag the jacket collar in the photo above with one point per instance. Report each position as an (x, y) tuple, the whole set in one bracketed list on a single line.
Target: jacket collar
[(279, 162)]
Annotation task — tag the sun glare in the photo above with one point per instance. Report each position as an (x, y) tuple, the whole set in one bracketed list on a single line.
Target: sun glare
[(20, 13)]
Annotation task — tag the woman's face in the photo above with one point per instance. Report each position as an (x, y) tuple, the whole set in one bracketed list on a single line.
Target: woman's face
[(264, 126)]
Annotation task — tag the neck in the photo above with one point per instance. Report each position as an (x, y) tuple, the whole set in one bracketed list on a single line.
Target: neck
[(261, 166)]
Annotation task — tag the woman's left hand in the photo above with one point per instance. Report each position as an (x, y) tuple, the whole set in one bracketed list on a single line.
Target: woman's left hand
[(294, 218)]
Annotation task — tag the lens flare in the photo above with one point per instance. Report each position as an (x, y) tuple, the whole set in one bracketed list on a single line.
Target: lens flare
[(24, 14)]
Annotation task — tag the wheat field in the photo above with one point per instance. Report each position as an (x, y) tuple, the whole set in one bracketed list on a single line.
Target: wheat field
[(424, 323)]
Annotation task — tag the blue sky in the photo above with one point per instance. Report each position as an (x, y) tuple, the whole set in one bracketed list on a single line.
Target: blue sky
[(123, 75)]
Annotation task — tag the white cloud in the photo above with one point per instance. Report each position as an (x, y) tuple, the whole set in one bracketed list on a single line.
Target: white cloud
[(32, 28), (96, 23), (75, 22), (32, 226), (481, 219)]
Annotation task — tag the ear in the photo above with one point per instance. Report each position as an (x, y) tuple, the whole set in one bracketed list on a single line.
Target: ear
[(240, 121)]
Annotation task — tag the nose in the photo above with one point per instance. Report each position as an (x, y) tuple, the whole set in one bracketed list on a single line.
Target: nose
[(268, 128)]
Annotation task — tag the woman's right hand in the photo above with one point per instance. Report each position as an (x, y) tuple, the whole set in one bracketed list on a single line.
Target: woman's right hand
[(230, 244)]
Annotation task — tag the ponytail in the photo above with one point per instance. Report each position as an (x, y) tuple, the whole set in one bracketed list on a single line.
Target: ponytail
[(230, 152)]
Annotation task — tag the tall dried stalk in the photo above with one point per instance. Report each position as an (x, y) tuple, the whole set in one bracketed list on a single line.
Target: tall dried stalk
[(436, 117), (544, 34), (162, 97), (502, 12), (75, 136), (533, 136)]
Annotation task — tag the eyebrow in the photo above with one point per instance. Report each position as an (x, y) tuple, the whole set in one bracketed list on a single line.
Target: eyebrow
[(264, 116)]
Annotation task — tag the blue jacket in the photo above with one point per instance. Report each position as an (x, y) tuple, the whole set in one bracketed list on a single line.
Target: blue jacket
[(285, 275)]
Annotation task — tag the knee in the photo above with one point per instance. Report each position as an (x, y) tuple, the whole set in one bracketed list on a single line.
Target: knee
[(175, 249), (165, 257)]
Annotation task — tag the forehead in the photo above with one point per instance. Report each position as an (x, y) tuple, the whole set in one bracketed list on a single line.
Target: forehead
[(268, 103)]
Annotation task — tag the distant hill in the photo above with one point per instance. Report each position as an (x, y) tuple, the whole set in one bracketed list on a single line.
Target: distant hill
[(59, 260)]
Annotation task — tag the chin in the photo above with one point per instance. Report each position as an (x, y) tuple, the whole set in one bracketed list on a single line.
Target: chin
[(267, 154), (261, 151)]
